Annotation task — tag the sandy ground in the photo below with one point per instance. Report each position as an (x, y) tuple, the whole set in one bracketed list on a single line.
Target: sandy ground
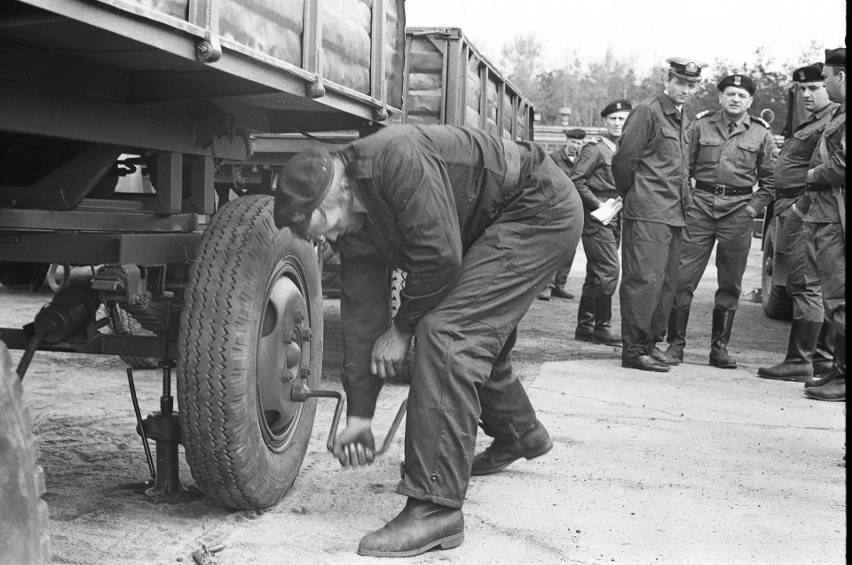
[(699, 465)]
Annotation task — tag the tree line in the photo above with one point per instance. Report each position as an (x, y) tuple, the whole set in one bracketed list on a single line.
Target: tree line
[(586, 86)]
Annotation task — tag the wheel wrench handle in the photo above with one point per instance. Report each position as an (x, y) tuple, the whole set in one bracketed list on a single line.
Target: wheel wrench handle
[(301, 392)]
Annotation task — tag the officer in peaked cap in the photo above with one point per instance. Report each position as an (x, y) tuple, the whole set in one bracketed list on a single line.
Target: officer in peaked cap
[(810, 348), (651, 174), (592, 176), (729, 153), (826, 218), (480, 224), (687, 69), (564, 157)]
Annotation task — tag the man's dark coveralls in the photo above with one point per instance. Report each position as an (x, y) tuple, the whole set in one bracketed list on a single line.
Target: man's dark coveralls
[(811, 341), (592, 176), (480, 230), (650, 169), (725, 165), (827, 190)]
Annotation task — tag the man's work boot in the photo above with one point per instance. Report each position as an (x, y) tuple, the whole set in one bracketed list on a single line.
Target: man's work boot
[(421, 526), (644, 363), (720, 335), (545, 294), (657, 355), (676, 335), (585, 318), (834, 391), (797, 364), (504, 451), (824, 384), (823, 360), (603, 322), (560, 292)]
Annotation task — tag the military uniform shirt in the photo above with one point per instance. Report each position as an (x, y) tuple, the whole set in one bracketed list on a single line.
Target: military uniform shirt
[(824, 207), (650, 166), (792, 165), (592, 174), (562, 161), (742, 158)]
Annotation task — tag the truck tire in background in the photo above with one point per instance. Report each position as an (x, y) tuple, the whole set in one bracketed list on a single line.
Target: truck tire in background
[(251, 328), (776, 304), (23, 514)]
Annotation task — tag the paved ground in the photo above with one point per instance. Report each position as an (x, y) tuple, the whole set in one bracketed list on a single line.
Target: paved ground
[(699, 465)]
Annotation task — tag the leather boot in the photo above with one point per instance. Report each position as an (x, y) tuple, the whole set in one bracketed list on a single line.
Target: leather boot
[(800, 348), (421, 526), (603, 322), (545, 294), (676, 335), (823, 360), (504, 451), (585, 318), (720, 335), (838, 372)]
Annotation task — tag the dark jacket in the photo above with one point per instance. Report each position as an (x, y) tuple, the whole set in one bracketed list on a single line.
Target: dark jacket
[(650, 167), (592, 175), (430, 193), (743, 159), (830, 171)]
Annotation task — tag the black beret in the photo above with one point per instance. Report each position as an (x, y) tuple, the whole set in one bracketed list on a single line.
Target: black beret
[(616, 106), (835, 57), (686, 68), (740, 81), (303, 183), (575, 133), (811, 73)]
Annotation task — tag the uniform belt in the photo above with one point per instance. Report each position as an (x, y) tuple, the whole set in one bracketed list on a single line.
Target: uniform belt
[(512, 153), (722, 190), (791, 192), (818, 187)]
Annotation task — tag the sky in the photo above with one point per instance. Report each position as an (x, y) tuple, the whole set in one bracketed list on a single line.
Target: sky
[(645, 32)]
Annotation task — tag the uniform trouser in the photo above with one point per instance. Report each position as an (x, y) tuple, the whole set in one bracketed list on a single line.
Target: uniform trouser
[(462, 368), (803, 281), (830, 246), (650, 256), (561, 277), (600, 244), (732, 235)]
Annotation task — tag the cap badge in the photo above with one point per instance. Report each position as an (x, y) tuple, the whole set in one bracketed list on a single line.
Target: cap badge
[(738, 80), (297, 218), (691, 67), (802, 75), (618, 105)]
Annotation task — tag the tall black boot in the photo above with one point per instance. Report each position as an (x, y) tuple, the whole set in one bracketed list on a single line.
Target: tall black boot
[(723, 321), (678, 320), (834, 389), (603, 322), (797, 365), (585, 318), (823, 359)]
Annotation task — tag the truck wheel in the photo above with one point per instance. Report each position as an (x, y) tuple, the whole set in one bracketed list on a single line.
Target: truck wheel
[(776, 304), (23, 514), (251, 329)]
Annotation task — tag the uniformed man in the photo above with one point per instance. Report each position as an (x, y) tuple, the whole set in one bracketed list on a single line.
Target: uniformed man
[(479, 224), (729, 153), (565, 157), (810, 349), (826, 219), (651, 173), (592, 176)]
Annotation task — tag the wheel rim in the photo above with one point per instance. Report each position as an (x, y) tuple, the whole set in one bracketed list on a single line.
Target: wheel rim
[(283, 353)]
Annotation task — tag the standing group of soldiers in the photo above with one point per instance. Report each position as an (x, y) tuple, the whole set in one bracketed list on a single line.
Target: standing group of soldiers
[(481, 224), (670, 224)]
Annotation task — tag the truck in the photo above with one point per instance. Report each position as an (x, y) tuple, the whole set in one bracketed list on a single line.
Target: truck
[(95, 90)]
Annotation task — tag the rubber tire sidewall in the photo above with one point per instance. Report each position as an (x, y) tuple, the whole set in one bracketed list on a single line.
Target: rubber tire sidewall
[(777, 305), (216, 376), (23, 514)]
